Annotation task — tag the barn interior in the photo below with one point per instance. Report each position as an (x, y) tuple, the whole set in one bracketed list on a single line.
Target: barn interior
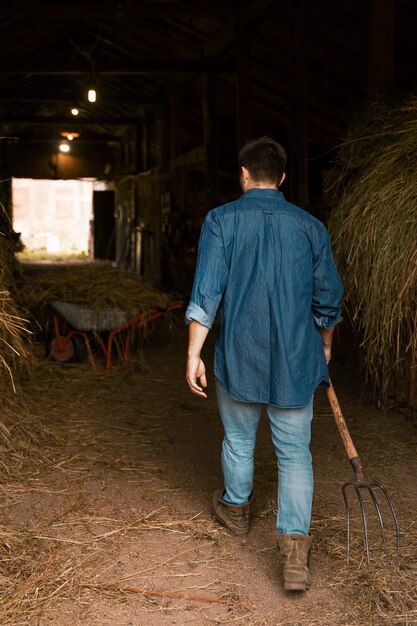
[(120, 124), (179, 87)]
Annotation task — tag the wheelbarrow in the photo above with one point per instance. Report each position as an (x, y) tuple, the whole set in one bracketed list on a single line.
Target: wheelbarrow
[(106, 326)]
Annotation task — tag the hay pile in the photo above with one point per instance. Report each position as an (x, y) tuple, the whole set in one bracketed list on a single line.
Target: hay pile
[(14, 333), (98, 287), (373, 230)]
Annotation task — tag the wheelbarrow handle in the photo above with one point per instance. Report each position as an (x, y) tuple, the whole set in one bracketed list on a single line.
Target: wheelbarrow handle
[(345, 435)]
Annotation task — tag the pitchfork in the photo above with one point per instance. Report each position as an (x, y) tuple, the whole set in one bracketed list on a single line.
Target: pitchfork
[(361, 483)]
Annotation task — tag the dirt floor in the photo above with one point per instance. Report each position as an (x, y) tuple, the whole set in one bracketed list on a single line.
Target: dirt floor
[(110, 524)]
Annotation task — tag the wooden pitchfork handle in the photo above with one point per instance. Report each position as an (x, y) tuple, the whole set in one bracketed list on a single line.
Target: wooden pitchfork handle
[(345, 435)]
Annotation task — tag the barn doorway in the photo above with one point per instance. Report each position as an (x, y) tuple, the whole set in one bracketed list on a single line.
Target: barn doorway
[(53, 216)]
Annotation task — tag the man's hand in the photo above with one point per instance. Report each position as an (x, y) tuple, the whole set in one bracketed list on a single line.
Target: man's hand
[(196, 371), (327, 338)]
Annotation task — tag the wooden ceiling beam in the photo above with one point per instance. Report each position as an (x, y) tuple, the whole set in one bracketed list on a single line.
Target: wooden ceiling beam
[(54, 141), (88, 10), (140, 68), (28, 99), (327, 138), (226, 35), (321, 128), (18, 40), (71, 124)]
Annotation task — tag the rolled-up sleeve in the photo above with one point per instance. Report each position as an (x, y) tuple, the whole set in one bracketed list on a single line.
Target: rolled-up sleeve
[(327, 286), (211, 275), (195, 312)]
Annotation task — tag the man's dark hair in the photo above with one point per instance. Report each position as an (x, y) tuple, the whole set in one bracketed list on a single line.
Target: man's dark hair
[(264, 158)]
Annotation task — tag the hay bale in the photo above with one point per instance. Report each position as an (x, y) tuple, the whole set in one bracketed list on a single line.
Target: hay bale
[(98, 287), (373, 230)]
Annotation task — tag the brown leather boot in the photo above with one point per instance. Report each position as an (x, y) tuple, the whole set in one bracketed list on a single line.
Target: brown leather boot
[(295, 550), (234, 516)]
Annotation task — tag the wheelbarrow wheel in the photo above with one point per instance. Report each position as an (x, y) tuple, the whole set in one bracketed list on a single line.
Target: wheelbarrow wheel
[(66, 350)]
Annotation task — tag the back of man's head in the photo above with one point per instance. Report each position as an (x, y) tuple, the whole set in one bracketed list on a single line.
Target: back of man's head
[(264, 158)]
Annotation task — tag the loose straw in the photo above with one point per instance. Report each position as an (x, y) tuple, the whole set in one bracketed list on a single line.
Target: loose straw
[(166, 594)]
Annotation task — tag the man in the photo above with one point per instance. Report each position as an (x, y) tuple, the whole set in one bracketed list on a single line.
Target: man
[(267, 266)]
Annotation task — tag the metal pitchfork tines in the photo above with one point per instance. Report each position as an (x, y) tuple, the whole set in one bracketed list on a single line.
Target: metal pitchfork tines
[(361, 483)]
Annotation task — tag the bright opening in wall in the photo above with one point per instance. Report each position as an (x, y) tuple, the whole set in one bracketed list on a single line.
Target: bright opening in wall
[(53, 216)]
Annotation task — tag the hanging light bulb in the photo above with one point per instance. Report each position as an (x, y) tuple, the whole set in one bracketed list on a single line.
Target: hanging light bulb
[(64, 147), (74, 111), (91, 85), (69, 135)]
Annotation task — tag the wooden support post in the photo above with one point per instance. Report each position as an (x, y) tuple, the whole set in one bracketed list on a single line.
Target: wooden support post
[(381, 45), (126, 154), (164, 137), (210, 140), (6, 209), (298, 116), (243, 86), (175, 110), (160, 186), (138, 149), (146, 143)]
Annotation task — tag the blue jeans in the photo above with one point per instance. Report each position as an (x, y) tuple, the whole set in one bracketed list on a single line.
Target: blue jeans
[(291, 430)]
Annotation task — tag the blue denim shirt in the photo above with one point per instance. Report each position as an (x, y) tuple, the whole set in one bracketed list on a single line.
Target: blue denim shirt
[(267, 266)]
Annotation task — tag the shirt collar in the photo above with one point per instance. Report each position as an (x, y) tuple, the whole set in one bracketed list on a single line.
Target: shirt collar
[(266, 193)]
